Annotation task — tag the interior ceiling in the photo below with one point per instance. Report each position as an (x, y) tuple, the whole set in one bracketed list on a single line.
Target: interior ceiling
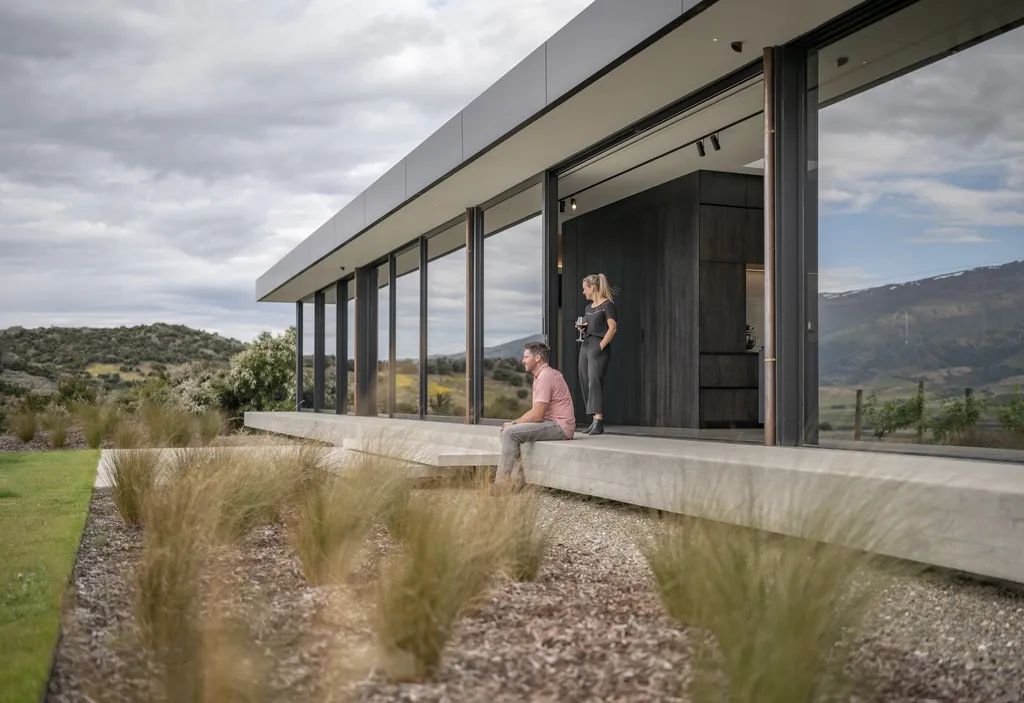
[(655, 157), (680, 63)]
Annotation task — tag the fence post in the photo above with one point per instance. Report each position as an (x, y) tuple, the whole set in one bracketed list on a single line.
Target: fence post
[(858, 414), (920, 422)]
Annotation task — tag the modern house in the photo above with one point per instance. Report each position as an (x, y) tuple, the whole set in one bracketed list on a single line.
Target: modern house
[(813, 211)]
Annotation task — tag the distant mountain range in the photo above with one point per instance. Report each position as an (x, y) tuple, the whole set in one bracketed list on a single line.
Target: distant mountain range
[(505, 350), (959, 329)]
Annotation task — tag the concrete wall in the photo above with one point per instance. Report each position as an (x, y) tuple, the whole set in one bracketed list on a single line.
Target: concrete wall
[(954, 513)]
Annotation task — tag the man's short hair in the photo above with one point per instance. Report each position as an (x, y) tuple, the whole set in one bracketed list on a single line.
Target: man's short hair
[(539, 349)]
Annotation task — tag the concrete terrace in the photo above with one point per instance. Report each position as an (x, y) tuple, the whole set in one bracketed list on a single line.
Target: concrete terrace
[(953, 513)]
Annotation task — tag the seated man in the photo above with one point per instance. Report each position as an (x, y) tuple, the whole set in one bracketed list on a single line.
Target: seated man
[(551, 417)]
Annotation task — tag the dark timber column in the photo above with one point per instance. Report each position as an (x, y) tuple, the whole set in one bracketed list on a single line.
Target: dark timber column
[(796, 327), (549, 222), (298, 355), (341, 347), (474, 314), (423, 328), (319, 323), (366, 340), (392, 331)]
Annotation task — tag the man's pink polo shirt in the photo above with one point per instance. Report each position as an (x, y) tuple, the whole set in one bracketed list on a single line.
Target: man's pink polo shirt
[(549, 387)]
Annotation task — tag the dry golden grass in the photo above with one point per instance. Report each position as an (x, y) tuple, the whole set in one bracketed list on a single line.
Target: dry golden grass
[(132, 474), (97, 421), (25, 425), (526, 536), (56, 422), (776, 613), (451, 550)]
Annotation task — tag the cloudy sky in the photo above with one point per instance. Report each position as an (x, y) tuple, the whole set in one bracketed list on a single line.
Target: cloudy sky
[(924, 175), (156, 157)]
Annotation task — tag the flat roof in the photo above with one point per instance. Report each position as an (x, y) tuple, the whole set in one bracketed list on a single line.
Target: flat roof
[(612, 65)]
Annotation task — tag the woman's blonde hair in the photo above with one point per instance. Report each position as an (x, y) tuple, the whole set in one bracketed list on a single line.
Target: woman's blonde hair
[(600, 282)]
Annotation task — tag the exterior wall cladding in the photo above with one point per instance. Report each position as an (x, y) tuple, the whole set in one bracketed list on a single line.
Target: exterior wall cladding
[(603, 32)]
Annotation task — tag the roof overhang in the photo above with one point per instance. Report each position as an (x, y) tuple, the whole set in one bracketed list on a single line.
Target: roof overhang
[(613, 65)]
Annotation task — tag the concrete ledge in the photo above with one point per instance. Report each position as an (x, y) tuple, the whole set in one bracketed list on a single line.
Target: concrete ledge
[(431, 454), (956, 513)]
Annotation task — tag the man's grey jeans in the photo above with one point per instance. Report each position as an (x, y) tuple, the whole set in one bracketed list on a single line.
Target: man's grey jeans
[(510, 466)]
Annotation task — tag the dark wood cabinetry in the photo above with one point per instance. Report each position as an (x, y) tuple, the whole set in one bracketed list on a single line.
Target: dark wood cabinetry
[(678, 254)]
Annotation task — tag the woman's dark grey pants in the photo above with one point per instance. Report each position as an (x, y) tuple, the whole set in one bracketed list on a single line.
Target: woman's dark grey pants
[(592, 365)]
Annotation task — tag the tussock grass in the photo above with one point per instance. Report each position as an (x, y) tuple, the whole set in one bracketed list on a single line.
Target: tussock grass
[(777, 613), (97, 421), (25, 425), (209, 424), (128, 433), (451, 550), (526, 536), (168, 425), (132, 474), (332, 515), (56, 422)]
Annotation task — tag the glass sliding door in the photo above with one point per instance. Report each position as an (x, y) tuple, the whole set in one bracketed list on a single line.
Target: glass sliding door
[(920, 229), (383, 338), (406, 376), (513, 300), (446, 322)]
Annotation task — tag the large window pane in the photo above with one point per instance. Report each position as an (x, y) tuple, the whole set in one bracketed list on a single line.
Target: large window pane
[(446, 323), (407, 332), (330, 349), (383, 337), (921, 228), (513, 300), (308, 337), (351, 352)]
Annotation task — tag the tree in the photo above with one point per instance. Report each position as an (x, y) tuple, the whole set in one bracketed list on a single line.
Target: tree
[(262, 377)]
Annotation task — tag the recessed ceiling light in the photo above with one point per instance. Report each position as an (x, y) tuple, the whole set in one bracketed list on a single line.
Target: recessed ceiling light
[(715, 39)]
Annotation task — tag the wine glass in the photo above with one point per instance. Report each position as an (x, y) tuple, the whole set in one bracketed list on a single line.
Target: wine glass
[(581, 324)]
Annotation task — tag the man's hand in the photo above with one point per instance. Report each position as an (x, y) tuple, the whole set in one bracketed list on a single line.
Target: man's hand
[(506, 424)]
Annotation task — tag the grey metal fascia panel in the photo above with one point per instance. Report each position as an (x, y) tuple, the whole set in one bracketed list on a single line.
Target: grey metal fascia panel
[(513, 99), (386, 193), (349, 222), (439, 154), (281, 272), (600, 34)]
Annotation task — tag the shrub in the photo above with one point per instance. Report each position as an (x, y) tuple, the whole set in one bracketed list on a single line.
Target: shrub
[(776, 613), (56, 422), (262, 377), (24, 425), (167, 425), (1011, 415), (522, 394), (957, 419), (132, 474), (450, 552), (128, 434), (895, 414), (441, 403)]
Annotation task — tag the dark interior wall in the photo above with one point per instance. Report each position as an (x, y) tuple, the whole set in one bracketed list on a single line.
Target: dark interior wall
[(677, 254), (647, 246)]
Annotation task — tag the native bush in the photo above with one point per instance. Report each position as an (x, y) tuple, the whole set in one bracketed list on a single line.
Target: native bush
[(24, 425), (262, 377), (1011, 415), (56, 422), (893, 415), (957, 419)]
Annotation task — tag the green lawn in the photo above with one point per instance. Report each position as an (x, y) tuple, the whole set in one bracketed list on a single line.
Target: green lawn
[(44, 498)]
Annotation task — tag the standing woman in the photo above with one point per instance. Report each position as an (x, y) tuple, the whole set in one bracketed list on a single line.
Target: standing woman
[(598, 331)]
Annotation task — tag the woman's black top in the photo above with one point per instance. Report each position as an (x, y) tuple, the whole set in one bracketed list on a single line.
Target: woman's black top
[(597, 318)]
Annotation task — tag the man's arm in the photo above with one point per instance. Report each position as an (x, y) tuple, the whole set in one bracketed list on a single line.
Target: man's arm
[(534, 414)]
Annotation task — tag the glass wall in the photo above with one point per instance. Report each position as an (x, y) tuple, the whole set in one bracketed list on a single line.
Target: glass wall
[(446, 322), (350, 353), (920, 186), (308, 337), (513, 300), (407, 332), (383, 338), (330, 349)]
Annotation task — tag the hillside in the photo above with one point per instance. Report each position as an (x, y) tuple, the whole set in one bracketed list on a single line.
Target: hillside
[(50, 352), (506, 350), (960, 329)]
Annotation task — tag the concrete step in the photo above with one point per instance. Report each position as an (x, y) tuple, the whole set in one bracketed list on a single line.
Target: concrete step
[(437, 455)]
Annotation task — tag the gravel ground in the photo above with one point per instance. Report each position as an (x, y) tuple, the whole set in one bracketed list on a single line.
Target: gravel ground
[(41, 442), (590, 628)]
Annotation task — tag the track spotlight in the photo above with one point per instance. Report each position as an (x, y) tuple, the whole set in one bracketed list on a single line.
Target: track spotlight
[(715, 143), (700, 148), (572, 203), (561, 206)]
